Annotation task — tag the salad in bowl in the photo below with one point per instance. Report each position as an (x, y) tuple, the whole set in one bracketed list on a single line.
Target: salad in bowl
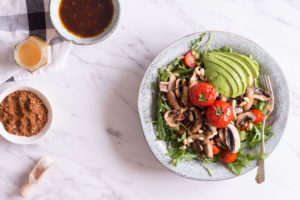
[(210, 107)]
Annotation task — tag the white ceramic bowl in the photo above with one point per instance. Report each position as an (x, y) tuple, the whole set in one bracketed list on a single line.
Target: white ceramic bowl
[(54, 16), (23, 139)]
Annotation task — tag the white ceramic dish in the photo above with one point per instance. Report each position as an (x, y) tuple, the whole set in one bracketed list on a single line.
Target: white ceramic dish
[(54, 16), (23, 139)]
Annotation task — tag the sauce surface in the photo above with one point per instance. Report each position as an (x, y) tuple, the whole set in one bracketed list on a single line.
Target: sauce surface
[(30, 54), (86, 18)]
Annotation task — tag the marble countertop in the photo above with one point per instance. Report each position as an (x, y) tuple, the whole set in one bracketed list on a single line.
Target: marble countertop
[(96, 138)]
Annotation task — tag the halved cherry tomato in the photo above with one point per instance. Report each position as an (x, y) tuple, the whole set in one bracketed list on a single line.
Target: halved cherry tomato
[(202, 94), (219, 114), (216, 150), (227, 156), (190, 60), (259, 116)]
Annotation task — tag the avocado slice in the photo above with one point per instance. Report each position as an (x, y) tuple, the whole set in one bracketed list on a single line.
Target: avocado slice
[(242, 65), (212, 63), (220, 82), (252, 64), (236, 67)]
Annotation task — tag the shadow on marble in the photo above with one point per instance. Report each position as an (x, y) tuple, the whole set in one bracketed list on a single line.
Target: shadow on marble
[(123, 127)]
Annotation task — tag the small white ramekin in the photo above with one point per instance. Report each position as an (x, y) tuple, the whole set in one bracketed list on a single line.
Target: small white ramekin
[(61, 30), (23, 139)]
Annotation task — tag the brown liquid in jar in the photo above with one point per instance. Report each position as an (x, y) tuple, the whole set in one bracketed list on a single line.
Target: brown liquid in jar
[(86, 18)]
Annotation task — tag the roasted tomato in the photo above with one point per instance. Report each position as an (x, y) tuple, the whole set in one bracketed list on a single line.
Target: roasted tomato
[(227, 156), (216, 150), (203, 94), (190, 60), (259, 116), (219, 114), (243, 128)]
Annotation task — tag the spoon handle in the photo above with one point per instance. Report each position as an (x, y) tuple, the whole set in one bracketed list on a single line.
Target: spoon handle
[(25, 190), (260, 176)]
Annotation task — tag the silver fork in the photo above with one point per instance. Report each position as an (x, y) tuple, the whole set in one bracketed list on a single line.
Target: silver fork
[(266, 84)]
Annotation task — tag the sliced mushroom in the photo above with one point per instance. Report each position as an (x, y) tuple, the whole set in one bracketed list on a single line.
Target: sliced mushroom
[(208, 149), (256, 93), (238, 110), (233, 105), (218, 141), (181, 91), (249, 95), (207, 126), (194, 137), (172, 101), (163, 86), (169, 85), (172, 118), (195, 78), (210, 134), (172, 81), (232, 137), (222, 136), (262, 94), (184, 96), (178, 87), (244, 118), (197, 146), (197, 121)]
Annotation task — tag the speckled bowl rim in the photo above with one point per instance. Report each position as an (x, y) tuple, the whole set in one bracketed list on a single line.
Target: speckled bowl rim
[(143, 127)]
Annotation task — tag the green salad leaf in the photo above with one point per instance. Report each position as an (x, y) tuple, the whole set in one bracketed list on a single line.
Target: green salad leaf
[(261, 105), (254, 135), (243, 160), (178, 67), (196, 46), (164, 75)]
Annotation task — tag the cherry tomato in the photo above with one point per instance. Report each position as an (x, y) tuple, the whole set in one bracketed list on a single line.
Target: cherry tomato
[(216, 150), (243, 128), (190, 60), (219, 114), (202, 94), (259, 116), (227, 156)]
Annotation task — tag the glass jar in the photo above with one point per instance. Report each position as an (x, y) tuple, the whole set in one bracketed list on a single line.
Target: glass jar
[(32, 53)]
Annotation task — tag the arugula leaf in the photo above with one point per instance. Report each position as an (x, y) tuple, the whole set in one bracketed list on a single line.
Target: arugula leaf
[(164, 75), (196, 46), (226, 49), (160, 129), (243, 160), (180, 155), (254, 135), (178, 67)]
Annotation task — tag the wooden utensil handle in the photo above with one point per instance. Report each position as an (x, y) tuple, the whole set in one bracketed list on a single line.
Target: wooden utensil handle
[(25, 190)]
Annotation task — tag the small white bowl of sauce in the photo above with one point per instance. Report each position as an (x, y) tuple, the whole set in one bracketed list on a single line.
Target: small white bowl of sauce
[(84, 21)]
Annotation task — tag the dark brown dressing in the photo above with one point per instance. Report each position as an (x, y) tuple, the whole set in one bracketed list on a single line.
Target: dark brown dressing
[(86, 18)]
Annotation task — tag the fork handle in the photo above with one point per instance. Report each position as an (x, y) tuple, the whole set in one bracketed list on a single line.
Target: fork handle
[(260, 176)]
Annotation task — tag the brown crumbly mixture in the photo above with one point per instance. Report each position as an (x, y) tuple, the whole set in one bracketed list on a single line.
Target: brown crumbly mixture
[(23, 113)]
